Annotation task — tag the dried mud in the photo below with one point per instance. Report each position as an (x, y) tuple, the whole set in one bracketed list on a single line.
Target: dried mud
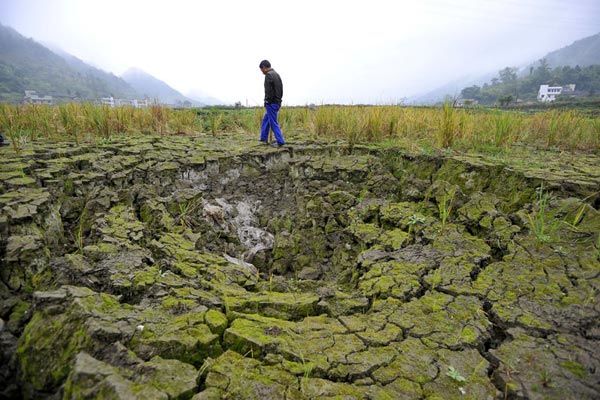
[(212, 268)]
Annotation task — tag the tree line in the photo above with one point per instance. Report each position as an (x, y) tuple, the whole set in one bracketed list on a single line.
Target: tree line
[(509, 86)]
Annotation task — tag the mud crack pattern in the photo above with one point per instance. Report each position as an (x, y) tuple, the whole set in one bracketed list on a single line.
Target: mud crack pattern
[(209, 268)]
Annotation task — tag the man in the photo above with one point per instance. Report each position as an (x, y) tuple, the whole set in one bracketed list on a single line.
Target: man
[(273, 95)]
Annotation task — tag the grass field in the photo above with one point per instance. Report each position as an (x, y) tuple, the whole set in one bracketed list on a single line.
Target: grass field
[(417, 127)]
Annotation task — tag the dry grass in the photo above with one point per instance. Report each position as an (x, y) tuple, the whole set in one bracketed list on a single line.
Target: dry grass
[(441, 127)]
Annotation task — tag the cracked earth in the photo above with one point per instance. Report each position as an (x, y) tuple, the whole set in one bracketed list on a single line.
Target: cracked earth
[(212, 268)]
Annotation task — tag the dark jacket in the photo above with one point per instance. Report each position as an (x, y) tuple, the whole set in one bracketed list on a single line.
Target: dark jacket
[(273, 87)]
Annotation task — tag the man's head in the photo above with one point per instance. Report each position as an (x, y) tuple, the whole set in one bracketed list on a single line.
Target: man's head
[(264, 66)]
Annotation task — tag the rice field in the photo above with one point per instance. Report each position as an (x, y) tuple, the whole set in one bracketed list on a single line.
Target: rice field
[(421, 127)]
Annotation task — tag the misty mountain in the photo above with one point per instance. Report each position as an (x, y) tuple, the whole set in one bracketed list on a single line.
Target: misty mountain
[(451, 89), (27, 65), (149, 86), (583, 52), (203, 98), (114, 83)]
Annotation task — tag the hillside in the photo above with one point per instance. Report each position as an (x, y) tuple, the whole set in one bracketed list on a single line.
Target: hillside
[(149, 86), (27, 65), (113, 83), (451, 89), (203, 98), (582, 52)]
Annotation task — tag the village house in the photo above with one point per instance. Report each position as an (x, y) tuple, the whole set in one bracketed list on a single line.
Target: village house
[(548, 93), (107, 101), (112, 102), (31, 97)]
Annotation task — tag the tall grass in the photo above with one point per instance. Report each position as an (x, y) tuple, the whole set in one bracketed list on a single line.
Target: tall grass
[(71, 121), (448, 129), (425, 127)]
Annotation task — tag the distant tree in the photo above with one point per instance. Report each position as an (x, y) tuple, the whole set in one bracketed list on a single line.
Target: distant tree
[(543, 64), (508, 75), (471, 92), (542, 72), (504, 101), (586, 79)]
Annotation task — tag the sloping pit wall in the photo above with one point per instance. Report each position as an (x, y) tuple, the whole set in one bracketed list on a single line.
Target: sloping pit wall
[(369, 274)]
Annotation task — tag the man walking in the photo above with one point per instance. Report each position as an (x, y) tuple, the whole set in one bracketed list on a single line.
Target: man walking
[(273, 95)]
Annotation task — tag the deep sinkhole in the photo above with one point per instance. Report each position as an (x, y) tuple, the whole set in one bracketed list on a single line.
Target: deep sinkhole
[(153, 270)]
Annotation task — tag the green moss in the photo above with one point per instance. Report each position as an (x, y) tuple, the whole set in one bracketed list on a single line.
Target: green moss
[(575, 368), (290, 306), (47, 348), (216, 321), (366, 233), (468, 334), (394, 239), (146, 277), (17, 315), (22, 181), (176, 379), (177, 304), (529, 320), (69, 186)]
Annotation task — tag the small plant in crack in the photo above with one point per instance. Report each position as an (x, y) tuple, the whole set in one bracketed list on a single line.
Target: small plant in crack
[(573, 222), (271, 282), (208, 363), (577, 217), (413, 220), (307, 367), (540, 222), (546, 379), (445, 206), (82, 222), (455, 375), (186, 210)]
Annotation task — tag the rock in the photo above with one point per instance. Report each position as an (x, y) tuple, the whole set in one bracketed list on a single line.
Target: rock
[(289, 306), (557, 367), (159, 379), (245, 378), (312, 273)]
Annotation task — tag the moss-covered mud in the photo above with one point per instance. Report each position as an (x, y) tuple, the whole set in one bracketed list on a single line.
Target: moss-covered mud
[(210, 268)]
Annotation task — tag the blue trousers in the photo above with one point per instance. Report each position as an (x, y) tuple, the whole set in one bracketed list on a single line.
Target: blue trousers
[(270, 122)]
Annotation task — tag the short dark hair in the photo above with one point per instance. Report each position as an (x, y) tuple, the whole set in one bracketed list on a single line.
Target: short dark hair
[(264, 64)]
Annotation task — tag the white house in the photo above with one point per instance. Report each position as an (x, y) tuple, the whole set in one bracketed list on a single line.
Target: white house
[(548, 93), (112, 102), (108, 101)]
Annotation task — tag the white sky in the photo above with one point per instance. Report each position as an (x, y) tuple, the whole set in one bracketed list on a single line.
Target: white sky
[(348, 51)]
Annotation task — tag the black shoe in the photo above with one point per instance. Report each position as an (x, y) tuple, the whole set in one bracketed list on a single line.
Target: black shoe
[(277, 145), (263, 142)]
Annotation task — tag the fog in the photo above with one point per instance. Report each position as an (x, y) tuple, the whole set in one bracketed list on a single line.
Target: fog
[(326, 51)]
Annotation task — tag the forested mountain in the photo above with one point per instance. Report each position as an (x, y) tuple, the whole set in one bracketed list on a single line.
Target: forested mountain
[(570, 64), (151, 87), (578, 63), (27, 65), (582, 52), (508, 86)]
